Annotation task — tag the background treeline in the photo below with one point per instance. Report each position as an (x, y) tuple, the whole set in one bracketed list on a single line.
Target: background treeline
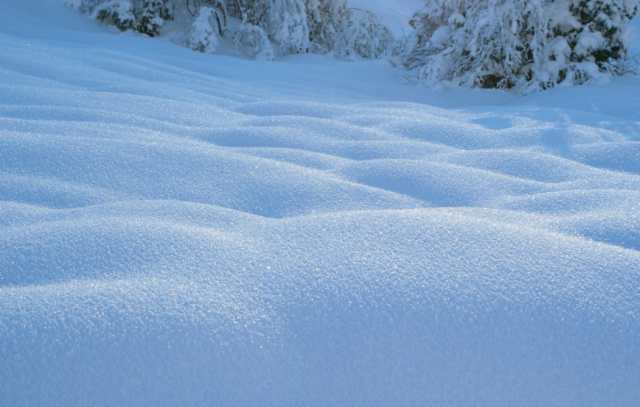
[(529, 45)]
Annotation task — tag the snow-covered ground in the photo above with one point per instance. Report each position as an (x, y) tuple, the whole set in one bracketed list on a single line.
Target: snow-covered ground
[(187, 229)]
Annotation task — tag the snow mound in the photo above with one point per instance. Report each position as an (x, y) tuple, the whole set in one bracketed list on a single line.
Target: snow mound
[(187, 229)]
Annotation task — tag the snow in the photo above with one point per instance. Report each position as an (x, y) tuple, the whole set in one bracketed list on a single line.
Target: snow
[(395, 13), (514, 44), (440, 37), (588, 41), (179, 228), (203, 36)]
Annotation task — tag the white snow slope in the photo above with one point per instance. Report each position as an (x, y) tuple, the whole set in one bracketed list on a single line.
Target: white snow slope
[(181, 229)]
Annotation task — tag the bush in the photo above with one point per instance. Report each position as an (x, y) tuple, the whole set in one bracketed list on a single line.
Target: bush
[(326, 20), (283, 21), (364, 37), (152, 16), (206, 28), (529, 45), (145, 16), (252, 41), (268, 29)]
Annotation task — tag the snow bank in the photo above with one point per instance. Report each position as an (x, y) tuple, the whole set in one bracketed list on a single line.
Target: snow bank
[(187, 229)]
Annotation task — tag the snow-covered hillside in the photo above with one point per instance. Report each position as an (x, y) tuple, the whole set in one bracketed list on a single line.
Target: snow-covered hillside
[(187, 229)]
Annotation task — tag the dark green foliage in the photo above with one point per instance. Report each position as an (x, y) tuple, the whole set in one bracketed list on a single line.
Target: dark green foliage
[(152, 15), (610, 19)]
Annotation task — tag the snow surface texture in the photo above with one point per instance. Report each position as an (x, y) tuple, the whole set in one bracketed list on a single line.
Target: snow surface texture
[(187, 229)]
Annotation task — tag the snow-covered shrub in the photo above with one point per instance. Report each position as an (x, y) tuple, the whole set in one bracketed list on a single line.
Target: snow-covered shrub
[(364, 37), (526, 44), (479, 42), (287, 26), (319, 26), (120, 13), (283, 21), (326, 20), (145, 16), (596, 30), (206, 28), (252, 41), (268, 28), (425, 22), (152, 15)]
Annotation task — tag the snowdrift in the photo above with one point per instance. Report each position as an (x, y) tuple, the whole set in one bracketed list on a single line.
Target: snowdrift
[(188, 229)]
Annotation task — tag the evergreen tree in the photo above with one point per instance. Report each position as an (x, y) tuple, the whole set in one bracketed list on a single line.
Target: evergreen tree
[(145, 16), (153, 14), (120, 13), (603, 32), (527, 44)]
